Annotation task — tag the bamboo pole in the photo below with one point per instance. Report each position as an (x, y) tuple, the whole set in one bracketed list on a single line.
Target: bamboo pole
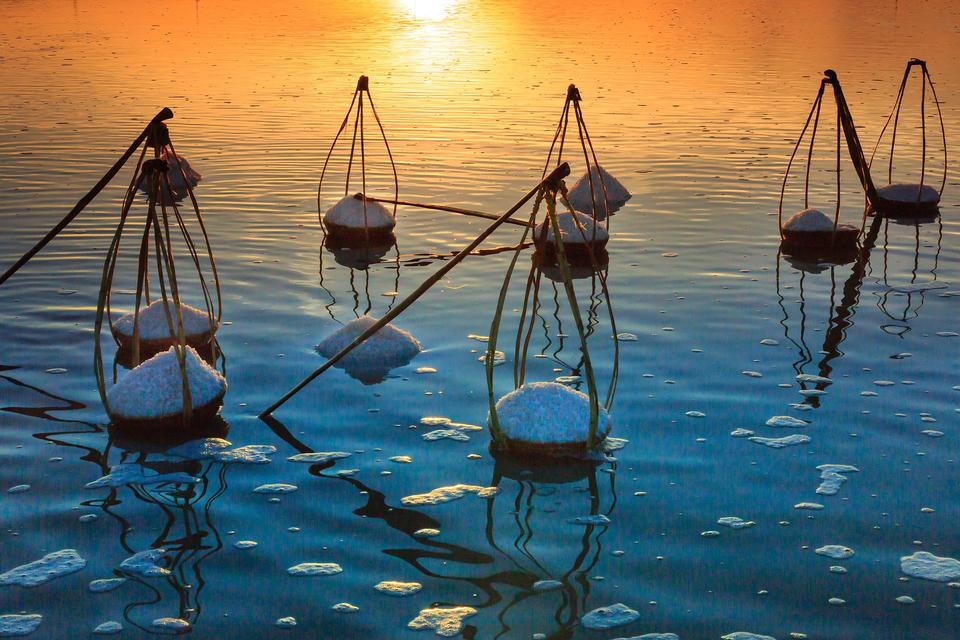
[(552, 181), (163, 114), (440, 207)]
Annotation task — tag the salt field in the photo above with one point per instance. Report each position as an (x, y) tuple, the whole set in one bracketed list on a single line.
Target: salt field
[(776, 436)]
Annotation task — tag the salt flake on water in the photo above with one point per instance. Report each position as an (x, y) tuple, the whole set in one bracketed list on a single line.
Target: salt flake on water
[(927, 566), (397, 588), (307, 569), (19, 625), (615, 615), (447, 494), (53, 565), (446, 621)]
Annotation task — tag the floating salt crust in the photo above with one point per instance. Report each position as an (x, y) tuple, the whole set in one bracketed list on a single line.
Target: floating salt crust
[(907, 199), (617, 194), (155, 333), (151, 394), (387, 349), (347, 220), (176, 179), (548, 419), (811, 228)]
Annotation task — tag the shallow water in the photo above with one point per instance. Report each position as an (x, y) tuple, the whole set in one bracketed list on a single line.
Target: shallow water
[(694, 106)]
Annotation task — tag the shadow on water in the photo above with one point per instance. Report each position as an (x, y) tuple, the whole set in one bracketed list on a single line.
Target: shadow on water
[(520, 523)]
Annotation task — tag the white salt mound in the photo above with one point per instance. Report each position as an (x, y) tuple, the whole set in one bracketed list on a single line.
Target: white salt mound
[(176, 179), (154, 389), (152, 322), (388, 348), (348, 212), (579, 195), (808, 220), (570, 230), (927, 566), (907, 193), (548, 412)]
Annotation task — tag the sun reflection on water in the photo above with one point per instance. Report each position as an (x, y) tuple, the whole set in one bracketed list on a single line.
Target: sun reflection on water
[(428, 9)]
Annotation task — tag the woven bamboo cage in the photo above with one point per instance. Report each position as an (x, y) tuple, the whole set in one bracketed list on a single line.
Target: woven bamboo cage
[(907, 199), (358, 219)]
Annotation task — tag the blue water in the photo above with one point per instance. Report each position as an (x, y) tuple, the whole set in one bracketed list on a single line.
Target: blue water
[(696, 114)]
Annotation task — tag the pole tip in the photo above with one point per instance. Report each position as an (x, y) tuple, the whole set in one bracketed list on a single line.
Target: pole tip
[(573, 93), (831, 75), (558, 174), (363, 84), (165, 114)]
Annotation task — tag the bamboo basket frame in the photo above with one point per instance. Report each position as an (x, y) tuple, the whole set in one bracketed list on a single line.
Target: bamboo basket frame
[(925, 81)]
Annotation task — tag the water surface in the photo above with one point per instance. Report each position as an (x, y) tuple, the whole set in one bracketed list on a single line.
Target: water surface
[(695, 107)]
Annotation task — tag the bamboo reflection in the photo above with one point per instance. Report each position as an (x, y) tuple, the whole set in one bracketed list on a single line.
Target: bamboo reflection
[(914, 293), (184, 511)]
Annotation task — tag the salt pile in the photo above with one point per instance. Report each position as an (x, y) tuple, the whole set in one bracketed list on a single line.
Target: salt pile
[(812, 228), (388, 348), (809, 220), (576, 228), (176, 178), (53, 565), (548, 413), (446, 621), (608, 617), (579, 195), (153, 391), (902, 193), (152, 324), (927, 566), (347, 216)]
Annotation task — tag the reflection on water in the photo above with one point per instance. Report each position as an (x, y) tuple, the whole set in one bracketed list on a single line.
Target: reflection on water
[(694, 106)]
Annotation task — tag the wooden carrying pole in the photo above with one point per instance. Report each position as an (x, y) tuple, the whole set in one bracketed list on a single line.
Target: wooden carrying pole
[(860, 163), (441, 207), (552, 182), (163, 114)]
